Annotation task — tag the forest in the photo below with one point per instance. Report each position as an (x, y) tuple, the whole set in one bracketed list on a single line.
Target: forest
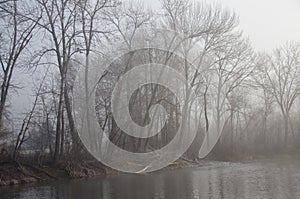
[(250, 99)]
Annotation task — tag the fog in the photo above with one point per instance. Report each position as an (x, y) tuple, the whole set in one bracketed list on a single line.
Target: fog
[(91, 88)]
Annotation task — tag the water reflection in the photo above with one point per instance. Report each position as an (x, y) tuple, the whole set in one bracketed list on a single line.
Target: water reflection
[(265, 179)]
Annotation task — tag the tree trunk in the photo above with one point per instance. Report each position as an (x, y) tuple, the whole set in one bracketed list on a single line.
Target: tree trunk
[(58, 122), (76, 142), (286, 129)]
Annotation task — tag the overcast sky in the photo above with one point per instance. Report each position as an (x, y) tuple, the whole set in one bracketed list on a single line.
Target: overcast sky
[(268, 23)]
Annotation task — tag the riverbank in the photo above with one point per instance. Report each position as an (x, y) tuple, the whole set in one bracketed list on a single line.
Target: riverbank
[(15, 173), (275, 177)]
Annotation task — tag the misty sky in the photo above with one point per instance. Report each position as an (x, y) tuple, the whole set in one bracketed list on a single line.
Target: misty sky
[(267, 23)]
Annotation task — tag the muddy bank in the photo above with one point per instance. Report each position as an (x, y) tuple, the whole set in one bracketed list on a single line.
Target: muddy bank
[(14, 173)]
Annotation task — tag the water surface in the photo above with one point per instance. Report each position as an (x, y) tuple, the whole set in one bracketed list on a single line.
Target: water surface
[(259, 179)]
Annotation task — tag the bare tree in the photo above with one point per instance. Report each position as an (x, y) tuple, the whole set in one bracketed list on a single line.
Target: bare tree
[(260, 83), (90, 18), (126, 21), (59, 23), (16, 34), (224, 58), (27, 121), (282, 80)]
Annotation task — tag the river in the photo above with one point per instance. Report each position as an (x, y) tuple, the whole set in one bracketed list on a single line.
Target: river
[(272, 178)]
